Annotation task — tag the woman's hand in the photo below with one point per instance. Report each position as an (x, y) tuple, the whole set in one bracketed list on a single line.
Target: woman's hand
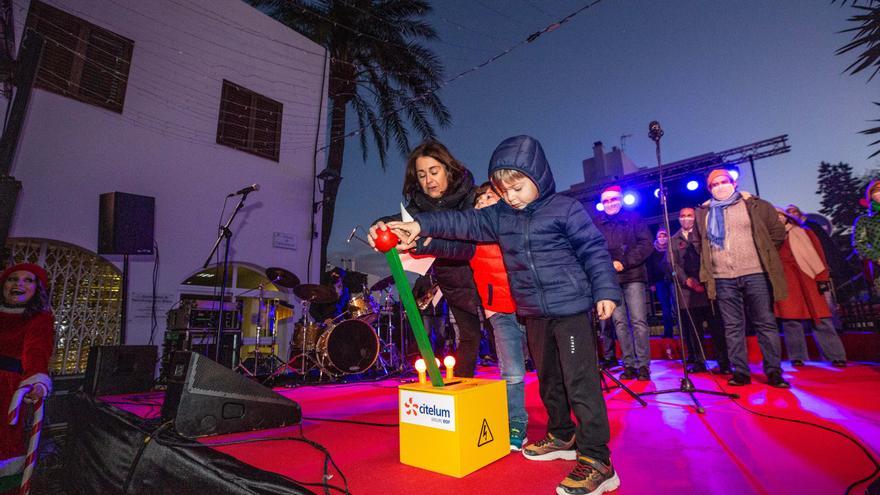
[(604, 308), (618, 266)]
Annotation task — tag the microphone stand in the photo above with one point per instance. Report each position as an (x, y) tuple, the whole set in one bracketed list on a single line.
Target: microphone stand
[(225, 234), (686, 385)]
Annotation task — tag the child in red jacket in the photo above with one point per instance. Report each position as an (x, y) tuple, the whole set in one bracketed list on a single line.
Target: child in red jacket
[(490, 277)]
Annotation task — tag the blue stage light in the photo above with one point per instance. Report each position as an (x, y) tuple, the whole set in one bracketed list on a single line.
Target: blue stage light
[(734, 174), (600, 207), (629, 199), (657, 192), (692, 185)]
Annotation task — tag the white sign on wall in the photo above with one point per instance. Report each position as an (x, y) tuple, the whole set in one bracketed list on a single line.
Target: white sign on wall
[(283, 240), (431, 410)]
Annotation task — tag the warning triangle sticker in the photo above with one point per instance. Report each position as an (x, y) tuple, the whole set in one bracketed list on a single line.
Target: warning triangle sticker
[(485, 434)]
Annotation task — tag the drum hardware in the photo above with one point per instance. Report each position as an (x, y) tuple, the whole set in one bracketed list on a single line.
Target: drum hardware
[(348, 347), (282, 277), (261, 304), (314, 293), (363, 307)]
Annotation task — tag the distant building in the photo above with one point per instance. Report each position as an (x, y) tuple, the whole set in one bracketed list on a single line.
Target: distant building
[(184, 102)]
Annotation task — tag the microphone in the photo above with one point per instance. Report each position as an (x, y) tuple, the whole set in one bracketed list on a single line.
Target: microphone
[(654, 131), (246, 190)]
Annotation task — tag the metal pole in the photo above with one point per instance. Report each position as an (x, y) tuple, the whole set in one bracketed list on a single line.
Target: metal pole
[(754, 175)]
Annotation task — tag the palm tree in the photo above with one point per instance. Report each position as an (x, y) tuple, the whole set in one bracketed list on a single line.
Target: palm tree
[(866, 37), (378, 67)]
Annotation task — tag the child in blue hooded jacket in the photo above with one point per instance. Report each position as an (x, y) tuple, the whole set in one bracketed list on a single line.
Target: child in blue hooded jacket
[(558, 266)]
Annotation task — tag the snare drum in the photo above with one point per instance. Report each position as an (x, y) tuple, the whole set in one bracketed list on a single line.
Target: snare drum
[(363, 308), (349, 347), (305, 337)]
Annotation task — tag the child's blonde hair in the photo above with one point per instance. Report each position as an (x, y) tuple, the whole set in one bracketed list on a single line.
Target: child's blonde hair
[(502, 175)]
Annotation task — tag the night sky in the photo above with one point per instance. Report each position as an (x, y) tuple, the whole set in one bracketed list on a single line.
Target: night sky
[(715, 74)]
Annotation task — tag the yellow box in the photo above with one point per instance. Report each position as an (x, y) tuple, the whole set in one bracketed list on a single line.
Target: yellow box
[(456, 429)]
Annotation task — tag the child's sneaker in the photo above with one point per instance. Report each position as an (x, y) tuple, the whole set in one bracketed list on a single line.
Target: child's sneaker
[(589, 477), (549, 448), (517, 437)]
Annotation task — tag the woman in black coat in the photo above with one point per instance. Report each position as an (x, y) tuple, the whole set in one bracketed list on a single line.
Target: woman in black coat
[(436, 181)]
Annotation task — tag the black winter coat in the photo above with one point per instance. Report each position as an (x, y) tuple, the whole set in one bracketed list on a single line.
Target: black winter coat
[(452, 269), (557, 261), (629, 242)]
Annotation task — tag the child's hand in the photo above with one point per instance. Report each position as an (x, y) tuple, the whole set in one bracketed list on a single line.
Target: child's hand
[(372, 234), (604, 308), (407, 231)]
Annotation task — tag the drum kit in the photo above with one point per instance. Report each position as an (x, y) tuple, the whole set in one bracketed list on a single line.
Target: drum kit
[(356, 341)]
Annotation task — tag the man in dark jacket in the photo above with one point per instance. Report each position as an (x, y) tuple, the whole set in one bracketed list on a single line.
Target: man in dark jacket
[(629, 243), (740, 235), (696, 309)]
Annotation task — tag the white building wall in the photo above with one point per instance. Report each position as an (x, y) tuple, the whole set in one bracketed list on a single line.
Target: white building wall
[(163, 143)]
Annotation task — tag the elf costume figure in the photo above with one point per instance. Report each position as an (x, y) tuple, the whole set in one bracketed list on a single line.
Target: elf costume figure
[(26, 343)]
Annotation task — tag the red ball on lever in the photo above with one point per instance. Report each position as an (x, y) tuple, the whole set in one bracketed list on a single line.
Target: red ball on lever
[(385, 240)]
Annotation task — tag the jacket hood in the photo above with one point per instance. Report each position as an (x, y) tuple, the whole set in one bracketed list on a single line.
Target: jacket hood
[(524, 153)]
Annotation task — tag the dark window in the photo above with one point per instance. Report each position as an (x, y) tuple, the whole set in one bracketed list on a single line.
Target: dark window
[(80, 60), (249, 121)]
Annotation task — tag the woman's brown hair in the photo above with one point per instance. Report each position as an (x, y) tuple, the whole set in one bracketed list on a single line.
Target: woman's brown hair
[(436, 150)]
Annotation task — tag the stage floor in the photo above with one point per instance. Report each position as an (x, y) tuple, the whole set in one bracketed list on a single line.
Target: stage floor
[(664, 448)]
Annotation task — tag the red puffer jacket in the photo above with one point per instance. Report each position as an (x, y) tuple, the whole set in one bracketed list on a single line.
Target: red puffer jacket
[(490, 277)]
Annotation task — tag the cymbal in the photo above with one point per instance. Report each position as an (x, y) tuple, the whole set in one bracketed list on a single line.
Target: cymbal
[(382, 284), (282, 277), (315, 293)]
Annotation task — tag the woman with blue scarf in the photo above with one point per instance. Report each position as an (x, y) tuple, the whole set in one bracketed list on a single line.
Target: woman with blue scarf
[(741, 269)]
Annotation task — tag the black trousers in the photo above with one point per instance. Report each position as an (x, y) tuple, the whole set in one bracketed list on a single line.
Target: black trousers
[(564, 351), (468, 341)]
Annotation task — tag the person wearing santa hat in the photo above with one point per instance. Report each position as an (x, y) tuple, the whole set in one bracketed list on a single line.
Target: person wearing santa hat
[(630, 243), (740, 266), (26, 343)]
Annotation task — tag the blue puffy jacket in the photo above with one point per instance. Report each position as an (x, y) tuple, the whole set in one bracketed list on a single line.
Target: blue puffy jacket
[(557, 261)]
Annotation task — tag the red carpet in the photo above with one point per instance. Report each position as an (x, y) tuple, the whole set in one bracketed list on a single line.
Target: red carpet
[(665, 448)]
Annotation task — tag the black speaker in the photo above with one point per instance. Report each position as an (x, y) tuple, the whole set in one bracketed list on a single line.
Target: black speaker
[(120, 369), (204, 398), (125, 223)]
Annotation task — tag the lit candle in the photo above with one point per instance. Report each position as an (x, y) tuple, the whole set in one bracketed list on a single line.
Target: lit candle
[(449, 362), (421, 367)]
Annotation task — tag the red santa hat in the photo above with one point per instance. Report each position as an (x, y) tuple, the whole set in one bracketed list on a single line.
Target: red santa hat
[(611, 192), (27, 267)]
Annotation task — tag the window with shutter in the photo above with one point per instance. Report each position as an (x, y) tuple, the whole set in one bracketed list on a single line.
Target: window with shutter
[(249, 121), (80, 60)]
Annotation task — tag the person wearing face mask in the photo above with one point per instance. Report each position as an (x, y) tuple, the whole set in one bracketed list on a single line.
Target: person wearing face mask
[(866, 235), (659, 278), (806, 273), (630, 243), (435, 181), (740, 266), (26, 344), (696, 311)]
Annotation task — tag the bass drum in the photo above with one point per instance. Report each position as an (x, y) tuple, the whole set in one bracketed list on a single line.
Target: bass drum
[(350, 346)]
